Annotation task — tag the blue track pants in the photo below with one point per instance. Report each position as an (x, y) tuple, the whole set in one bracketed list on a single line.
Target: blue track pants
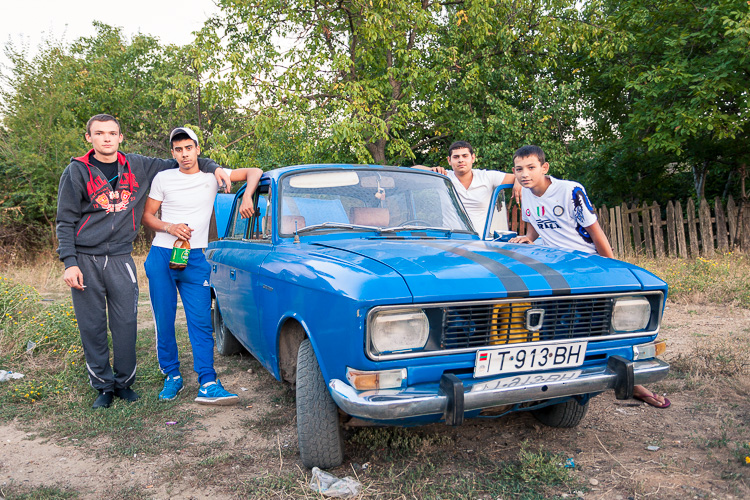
[(192, 283)]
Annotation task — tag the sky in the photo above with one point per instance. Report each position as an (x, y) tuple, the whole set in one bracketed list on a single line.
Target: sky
[(32, 21)]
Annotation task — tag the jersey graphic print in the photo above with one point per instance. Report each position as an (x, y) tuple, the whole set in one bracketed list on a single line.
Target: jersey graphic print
[(547, 224), (579, 201)]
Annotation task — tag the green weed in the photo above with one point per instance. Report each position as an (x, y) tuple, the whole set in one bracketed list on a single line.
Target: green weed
[(40, 336), (276, 486), (41, 340), (398, 439), (13, 492), (132, 493), (533, 474)]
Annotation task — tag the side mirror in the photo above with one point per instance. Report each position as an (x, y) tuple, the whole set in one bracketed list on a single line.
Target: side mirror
[(503, 235)]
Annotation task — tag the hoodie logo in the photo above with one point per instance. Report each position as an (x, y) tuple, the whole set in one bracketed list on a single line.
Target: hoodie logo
[(113, 201), (95, 185), (129, 179)]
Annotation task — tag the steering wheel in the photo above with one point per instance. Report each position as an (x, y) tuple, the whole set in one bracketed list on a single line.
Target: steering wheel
[(415, 221)]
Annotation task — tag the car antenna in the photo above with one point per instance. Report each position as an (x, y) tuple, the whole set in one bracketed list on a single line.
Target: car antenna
[(296, 236)]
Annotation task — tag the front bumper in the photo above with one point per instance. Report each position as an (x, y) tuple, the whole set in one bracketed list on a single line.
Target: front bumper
[(455, 396)]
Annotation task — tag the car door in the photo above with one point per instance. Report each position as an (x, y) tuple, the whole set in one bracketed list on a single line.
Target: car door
[(236, 261), (496, 227)]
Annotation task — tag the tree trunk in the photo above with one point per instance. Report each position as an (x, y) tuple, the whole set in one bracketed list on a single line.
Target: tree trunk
[(699, 179), (377, 150)]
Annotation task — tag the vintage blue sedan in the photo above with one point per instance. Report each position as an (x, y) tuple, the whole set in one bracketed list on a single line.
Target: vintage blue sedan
[(367, 289)]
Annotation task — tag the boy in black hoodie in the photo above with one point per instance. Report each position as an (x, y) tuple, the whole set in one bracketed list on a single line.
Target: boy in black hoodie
[(100, 203)]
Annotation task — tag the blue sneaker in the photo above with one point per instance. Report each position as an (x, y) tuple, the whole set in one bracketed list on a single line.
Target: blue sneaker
[(172, 387), (212, 393)]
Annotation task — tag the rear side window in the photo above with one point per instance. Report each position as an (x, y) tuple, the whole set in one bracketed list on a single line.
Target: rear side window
[(252, 228)]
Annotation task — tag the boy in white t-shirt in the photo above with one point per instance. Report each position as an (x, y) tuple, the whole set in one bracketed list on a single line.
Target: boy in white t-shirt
[(474, 186), (186, 197), (560, 213)]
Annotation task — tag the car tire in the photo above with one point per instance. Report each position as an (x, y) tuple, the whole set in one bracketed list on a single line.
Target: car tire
[(320, 440), (226, 343), (567, 414)]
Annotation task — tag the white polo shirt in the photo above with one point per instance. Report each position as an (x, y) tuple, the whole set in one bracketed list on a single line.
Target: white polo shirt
[(476, 198), (560, 215), (185, 198)]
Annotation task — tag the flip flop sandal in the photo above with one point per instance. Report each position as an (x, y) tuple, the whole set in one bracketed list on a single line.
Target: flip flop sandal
[(655, 404)]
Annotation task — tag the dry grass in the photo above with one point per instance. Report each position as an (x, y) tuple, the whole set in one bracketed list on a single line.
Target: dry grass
[(726, 359), (722, 279), (44, 272)]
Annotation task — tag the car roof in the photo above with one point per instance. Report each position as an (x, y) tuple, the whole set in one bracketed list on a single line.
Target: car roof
[(278, 172)]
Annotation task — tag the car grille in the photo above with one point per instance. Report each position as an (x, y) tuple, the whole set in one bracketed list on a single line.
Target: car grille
[(488, 324)]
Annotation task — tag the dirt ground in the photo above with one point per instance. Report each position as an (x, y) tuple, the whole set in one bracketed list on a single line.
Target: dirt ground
[(699, 437)]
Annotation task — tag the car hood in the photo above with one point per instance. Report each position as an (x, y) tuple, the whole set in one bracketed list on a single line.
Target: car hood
[(436, 269)]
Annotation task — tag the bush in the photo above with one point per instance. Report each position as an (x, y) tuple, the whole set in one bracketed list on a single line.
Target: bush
[(42, 337)]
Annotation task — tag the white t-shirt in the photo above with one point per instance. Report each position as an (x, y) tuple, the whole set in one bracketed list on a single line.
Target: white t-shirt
[(561, 215), (185, 198), (476, 199)]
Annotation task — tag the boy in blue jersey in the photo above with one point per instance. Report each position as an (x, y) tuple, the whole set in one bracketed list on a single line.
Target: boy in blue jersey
[(560, 213)]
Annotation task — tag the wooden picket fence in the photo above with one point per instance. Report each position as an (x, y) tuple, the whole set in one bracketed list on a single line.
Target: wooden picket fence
[(649, 231)]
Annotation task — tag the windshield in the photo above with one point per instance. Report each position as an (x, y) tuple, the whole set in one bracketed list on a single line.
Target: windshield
[(370, 199)]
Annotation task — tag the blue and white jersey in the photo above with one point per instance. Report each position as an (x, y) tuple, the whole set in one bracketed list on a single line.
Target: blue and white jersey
[(561, 215)]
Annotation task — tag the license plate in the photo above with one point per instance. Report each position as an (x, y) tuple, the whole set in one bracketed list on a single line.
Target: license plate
[(528, 358), (527, 379)]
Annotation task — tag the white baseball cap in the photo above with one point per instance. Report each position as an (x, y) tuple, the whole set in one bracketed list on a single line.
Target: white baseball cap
[(183, 130)]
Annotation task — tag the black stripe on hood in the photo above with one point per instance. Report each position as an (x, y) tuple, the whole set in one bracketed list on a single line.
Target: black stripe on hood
[(513, 283), (555, 280)]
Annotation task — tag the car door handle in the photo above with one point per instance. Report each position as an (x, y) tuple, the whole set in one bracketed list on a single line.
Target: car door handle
[(232, 274)]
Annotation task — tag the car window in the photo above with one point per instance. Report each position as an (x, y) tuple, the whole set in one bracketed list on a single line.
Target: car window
[(259, 219), (252, 228), (368, 197), (239, 225)]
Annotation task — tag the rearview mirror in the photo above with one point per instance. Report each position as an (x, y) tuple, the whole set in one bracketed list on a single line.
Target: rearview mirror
[(376, 181)]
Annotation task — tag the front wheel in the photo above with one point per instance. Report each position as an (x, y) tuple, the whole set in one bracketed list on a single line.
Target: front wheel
[(567, 414), (226, 343), (321, 443)]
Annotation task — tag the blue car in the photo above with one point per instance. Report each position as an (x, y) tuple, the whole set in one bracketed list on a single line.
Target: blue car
[(368, 290)]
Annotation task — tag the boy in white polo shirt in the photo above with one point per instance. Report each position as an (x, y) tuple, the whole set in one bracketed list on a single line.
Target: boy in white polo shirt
[(186, 197), (474, 187), (560, 213)]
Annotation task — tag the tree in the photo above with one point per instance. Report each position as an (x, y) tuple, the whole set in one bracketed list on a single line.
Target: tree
[(512, 86), (357, 69), (39, 133), (47, 100), (393, 82), (672, 77)]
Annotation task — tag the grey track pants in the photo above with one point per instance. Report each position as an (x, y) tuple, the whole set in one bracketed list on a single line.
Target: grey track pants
[(111, 291)]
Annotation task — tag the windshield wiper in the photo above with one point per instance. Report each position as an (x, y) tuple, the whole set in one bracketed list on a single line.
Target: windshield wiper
[(336, 225), (393, 229)]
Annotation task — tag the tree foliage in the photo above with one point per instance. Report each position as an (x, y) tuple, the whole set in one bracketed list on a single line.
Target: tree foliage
[(510, 86), (669, 79), (640, 100)]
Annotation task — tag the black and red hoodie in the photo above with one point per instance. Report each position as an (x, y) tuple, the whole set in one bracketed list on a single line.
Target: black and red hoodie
[(93, 218)]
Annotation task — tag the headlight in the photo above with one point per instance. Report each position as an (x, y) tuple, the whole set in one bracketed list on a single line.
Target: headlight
[(398, 330), (631, 314)]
